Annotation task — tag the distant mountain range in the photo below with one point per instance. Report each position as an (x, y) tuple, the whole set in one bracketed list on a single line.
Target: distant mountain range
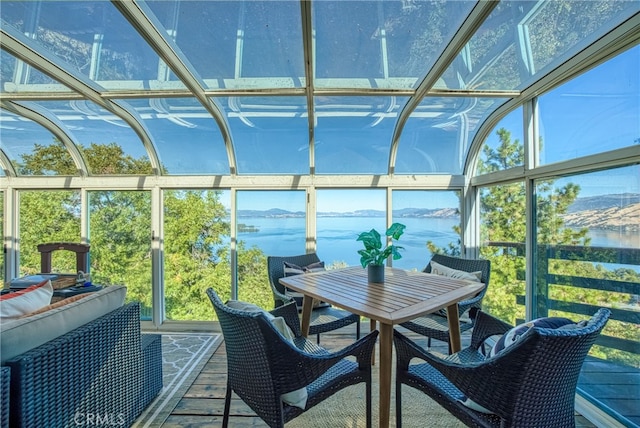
[(621, 211), (596, 212), (403, 213)]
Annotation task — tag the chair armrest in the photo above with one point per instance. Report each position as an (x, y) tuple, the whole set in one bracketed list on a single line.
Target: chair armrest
[(290, 314), (485, 326), (295, 368), (280, 299), (492, 383)]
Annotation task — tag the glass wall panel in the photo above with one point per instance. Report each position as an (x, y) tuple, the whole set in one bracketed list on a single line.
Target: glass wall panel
[(433, 224), (588, 228), (120, 238), (593, 113), (341, 216), (588, 257), (48, 216), (206, 32), (268, 223), (504, 147), (197, 252), (502, 241)]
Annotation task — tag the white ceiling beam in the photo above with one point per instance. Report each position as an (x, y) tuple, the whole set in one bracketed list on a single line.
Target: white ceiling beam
[(261, 182), (309, 71)]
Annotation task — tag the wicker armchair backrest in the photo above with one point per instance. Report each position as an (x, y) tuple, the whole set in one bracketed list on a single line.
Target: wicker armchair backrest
[(467, 265), (248, 363), (539, 374), (275, 267)]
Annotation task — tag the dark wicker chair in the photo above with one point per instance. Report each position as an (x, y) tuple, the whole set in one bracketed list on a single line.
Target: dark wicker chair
[(5, 378), (323, 319), (435, 325), (532, 383), (262, 365)]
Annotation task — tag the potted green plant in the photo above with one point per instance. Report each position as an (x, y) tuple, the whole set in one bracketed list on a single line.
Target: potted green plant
[(374, 255)]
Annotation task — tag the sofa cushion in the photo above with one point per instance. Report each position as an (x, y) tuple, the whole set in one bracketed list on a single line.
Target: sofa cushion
[(20, 335), (57, 304), (19, 303)]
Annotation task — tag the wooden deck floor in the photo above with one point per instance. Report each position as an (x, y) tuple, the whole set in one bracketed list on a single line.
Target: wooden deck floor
[(616, 386), (203, 403)]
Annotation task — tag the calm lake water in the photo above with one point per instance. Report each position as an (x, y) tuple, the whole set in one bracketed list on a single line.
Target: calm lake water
[(337, 237)]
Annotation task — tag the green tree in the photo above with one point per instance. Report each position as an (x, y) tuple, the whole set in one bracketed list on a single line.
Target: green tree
[(503, 211), (197, 251)]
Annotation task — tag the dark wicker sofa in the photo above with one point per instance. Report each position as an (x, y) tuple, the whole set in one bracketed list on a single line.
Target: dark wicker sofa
[(103, 373)]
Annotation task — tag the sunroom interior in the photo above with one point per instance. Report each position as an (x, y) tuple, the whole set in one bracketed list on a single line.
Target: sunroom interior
[(185, 141)]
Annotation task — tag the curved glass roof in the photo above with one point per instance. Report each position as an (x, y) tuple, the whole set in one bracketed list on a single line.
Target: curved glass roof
[(284, 87)]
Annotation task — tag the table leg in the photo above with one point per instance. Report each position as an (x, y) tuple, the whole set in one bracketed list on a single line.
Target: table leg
[(454, 327), (386, 349), (372, 326), (307, 307)]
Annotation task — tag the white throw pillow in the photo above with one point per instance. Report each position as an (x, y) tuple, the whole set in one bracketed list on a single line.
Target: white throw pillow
[(438, 269), (18, 303), (511, 337), (291, 269), (298, 397)]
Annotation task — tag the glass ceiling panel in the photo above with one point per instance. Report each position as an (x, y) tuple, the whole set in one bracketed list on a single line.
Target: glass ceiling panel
[(353, 134), (238, 44), (101, 134), (381, 44), (17, 76), (437, 136), (187, 138), (521, 40), (21, 138), (93, 38), (270, 134)]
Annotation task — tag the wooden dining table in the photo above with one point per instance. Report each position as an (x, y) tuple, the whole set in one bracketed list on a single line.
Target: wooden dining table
[(403, 296)]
